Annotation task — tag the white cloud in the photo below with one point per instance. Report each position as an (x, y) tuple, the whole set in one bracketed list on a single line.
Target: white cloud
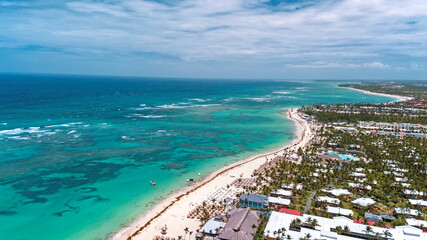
[(377, 65), (328, 34)]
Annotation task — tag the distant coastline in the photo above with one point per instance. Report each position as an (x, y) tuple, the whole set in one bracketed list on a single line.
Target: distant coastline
[(178, 203), (399, 97)]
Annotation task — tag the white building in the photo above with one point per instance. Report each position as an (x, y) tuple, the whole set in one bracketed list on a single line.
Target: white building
[(337, 211), (323, 231), (329, 200), (364, 202), (282, 193), (337, 192), (407, 211), (418, 202)]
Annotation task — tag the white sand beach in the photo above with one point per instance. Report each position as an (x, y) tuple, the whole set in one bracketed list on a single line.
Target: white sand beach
[(399, 98), (173, 211)]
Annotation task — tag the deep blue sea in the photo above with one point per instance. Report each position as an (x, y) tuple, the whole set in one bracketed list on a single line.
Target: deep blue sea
[(77, 153)]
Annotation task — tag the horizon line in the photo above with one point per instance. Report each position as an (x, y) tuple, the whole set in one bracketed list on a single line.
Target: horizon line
[(202, 78)]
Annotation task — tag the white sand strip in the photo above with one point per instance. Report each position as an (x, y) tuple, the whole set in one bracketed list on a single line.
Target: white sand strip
[(399, 98)]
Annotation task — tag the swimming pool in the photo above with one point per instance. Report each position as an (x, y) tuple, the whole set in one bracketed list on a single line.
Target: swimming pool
[(344, 156)]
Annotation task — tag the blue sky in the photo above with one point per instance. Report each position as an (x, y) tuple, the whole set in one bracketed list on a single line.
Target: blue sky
[(323, 39)]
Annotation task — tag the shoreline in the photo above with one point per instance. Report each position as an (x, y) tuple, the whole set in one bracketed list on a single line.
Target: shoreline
[(399, 97), (178, 204)]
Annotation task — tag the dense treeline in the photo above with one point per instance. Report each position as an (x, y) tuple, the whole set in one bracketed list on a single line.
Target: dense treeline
[(325, 117), (415, 89)]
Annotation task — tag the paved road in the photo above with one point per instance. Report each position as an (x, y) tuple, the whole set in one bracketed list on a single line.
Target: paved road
[(307, 206)]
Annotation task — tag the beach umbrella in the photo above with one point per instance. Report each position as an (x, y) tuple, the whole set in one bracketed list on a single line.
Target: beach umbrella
[(164, 229)]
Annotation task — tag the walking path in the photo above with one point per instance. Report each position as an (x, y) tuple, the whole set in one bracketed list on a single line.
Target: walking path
[(307, 206)]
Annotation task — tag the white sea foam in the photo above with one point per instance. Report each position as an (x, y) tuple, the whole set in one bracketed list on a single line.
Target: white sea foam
[(259, 99), (63, 125), (4, 124), (177, 106), (199, 99), (72, 131), (15, 131), (282, 92), (142, 105), (229, 99), (19, 138), (128, 138), (32, 131), (145, 116)]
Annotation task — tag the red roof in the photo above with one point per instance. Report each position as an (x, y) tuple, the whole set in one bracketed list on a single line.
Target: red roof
[(419, 125), (372, 122), (360, 221), (373, 131), (388, 226), (371, 223), (290, 211), (401, 133), (395, 123)]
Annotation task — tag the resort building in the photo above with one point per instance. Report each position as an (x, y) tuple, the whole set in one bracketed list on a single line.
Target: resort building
[(395, 127), (363, 202), (280, 225), (407, 212), (337, 211), (413, 194), (371, 217), (253, 201), (417, 223), (337, 192), (360, 187), (282, 193), (212, 227), (242, 224), (292, 186), (334, 202), (278, 203), (418, 202)]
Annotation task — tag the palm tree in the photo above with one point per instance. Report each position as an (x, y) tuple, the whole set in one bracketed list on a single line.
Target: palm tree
[(368, 229), (346, 229), (387, 233), (191, 232), (308, 236), (288, 237), (283, 231), (314, 223), (186, 231)]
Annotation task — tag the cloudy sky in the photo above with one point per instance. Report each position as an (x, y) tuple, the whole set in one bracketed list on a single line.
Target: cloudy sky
[(312, 39)]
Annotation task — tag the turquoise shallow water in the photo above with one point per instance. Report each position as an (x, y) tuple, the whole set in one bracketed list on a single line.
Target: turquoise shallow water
[(77, 153)]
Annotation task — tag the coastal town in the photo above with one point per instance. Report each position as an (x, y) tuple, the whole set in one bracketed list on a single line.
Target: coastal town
[(354, 171)]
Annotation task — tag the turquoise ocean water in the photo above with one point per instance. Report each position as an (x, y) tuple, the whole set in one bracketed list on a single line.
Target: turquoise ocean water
[(77, 153)]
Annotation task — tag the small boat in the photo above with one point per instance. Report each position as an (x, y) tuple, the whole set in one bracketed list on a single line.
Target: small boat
[(190, 180), (153, 182)]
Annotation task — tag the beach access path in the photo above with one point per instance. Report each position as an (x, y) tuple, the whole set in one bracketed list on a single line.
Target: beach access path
[(173, 211)]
